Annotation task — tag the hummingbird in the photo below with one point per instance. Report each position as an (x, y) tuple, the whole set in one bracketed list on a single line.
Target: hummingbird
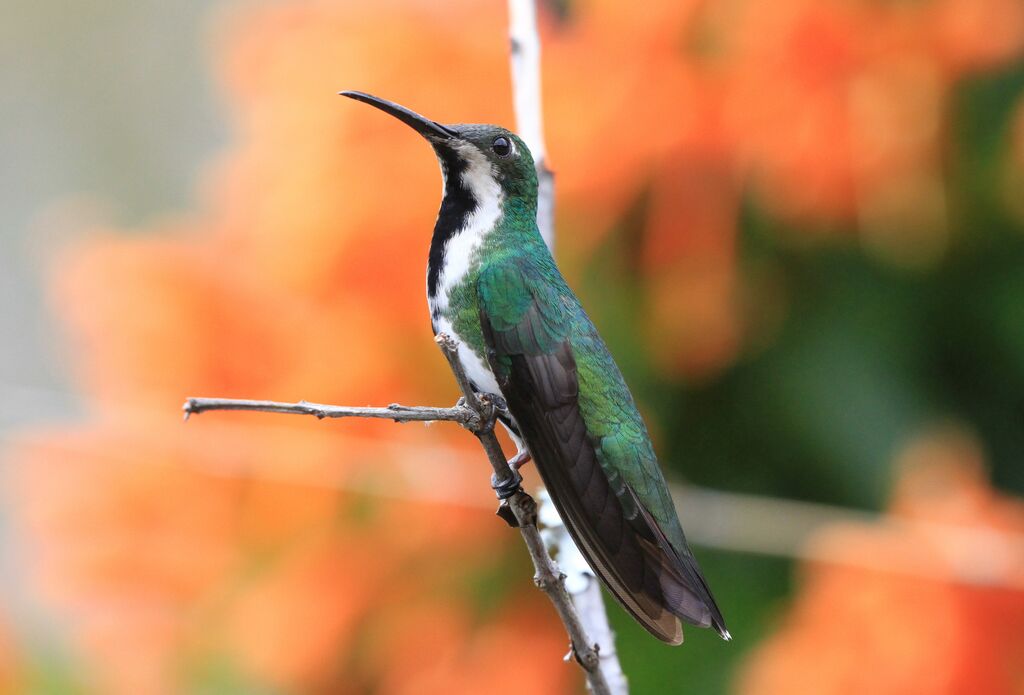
[(492, 284)]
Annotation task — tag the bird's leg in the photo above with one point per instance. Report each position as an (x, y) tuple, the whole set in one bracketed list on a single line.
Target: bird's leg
[(521, 458)]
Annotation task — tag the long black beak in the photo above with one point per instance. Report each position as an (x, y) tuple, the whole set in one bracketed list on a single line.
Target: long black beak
[(424, 126)]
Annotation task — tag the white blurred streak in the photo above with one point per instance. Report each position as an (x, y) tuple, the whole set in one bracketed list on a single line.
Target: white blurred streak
[(525, 49), (789, 528), (524, 43), (754, 524)]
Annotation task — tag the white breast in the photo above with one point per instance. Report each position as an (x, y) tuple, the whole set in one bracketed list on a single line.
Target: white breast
[(476, 369)]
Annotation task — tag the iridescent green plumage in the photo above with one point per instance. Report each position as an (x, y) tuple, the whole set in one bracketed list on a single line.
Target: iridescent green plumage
[(557, 374)]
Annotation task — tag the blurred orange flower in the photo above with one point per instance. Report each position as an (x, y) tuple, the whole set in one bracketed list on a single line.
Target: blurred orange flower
[(837, 107), (505, 656), (833, 112), (883, 610), (827, 99), (974, 35)]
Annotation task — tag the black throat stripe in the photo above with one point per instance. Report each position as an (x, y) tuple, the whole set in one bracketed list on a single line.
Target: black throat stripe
[(456, 207)]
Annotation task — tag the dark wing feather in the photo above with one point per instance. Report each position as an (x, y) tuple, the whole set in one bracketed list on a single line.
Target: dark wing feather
[(541, 394), (532, 357)]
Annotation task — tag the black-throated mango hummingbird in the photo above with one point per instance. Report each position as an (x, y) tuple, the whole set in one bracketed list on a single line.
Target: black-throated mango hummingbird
[(493, 285)]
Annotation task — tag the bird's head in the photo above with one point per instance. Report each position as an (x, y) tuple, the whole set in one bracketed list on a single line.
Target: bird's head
[(479, 153)]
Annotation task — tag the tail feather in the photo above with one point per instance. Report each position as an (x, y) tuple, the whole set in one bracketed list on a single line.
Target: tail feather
[(686, 592)]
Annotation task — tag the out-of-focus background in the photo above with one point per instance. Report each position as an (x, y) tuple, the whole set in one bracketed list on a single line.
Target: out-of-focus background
[(799, 225)]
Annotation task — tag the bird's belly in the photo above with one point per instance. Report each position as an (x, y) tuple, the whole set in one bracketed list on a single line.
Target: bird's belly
[(476, 369)]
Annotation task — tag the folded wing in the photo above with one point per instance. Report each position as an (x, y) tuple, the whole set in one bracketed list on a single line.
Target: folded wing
[(528, 336)]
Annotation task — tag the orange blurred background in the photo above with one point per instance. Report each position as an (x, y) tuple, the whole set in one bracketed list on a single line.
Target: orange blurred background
[(799, 225)]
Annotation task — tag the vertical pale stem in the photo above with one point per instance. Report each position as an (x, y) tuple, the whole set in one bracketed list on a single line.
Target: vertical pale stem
[(585, 592), (590, 605), (526, 97), (581, 582)]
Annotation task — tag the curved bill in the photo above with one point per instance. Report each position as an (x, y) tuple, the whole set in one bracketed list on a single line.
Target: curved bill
[(423, 126)]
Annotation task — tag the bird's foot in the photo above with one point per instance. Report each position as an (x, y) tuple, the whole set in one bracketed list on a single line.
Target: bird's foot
[(504, 489), (500, 404)]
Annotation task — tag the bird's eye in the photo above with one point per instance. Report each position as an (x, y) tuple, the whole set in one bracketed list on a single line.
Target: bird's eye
[(501, 146)]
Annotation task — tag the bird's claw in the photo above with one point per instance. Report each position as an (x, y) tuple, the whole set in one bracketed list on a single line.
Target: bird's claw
[(497, 402)]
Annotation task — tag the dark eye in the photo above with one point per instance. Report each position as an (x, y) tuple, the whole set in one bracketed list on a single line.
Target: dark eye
[(501, 146)]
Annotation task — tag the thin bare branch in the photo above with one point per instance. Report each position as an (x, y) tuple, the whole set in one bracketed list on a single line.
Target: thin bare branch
[(459, 413), (477, 413), (551, 581)]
